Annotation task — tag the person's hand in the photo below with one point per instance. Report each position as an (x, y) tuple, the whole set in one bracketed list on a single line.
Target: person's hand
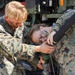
[(40, 63), (50, 38), (44, 48)]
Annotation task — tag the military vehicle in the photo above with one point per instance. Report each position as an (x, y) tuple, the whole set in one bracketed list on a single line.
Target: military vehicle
[(43, 10)]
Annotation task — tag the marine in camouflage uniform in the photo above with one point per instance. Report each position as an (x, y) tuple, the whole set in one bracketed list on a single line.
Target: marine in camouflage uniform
[(65, 49), (13, 47)]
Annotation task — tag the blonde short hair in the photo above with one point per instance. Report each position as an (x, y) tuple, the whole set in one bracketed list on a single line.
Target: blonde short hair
[(16, 10)]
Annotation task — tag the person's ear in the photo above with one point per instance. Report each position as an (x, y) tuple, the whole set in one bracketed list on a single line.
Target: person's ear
[(6, 17), (41, 27)]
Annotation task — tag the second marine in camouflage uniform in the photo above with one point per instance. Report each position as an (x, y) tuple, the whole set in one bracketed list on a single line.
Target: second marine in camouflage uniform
[(65, 50)]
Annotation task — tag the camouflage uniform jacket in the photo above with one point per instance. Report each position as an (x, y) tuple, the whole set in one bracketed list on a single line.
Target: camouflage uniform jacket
[(11, 42), (65, 49)]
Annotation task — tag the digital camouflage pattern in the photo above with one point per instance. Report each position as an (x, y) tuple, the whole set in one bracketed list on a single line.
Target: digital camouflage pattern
[(12, 43), (65, 49)]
